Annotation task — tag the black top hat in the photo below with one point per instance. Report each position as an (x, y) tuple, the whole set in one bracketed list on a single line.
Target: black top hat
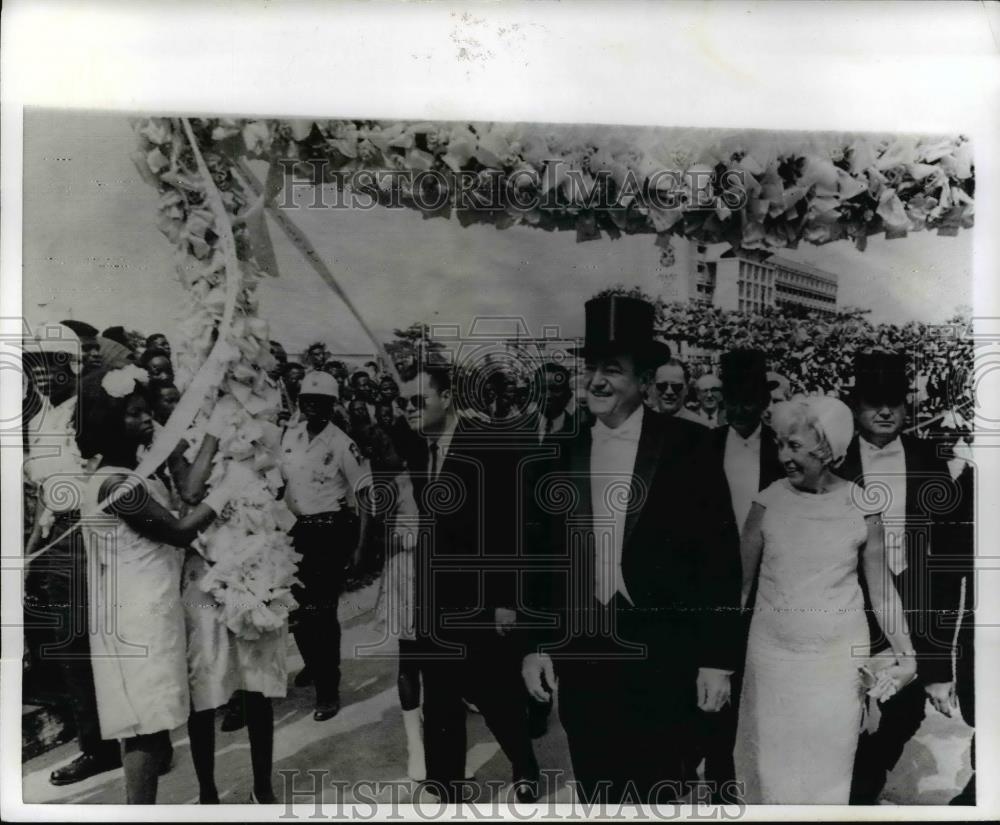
[(618, 325), (743, 369), (880, 376)]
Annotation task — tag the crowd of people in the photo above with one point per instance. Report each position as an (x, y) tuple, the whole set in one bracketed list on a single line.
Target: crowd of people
[(771, 585)]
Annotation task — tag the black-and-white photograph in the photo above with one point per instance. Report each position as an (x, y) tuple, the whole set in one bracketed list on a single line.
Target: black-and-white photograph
[(495, 463)]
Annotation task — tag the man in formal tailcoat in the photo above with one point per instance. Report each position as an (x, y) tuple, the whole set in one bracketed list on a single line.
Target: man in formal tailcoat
[(747, 452), (636, 621), (922, 531)]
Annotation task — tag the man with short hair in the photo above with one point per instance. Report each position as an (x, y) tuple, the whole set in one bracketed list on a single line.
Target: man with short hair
[(465, 612), (280, 357), (323, 470), (668, 392), (552, 388), (919, 538), (637, 614), (291, 383), (503, 388), (708, 389), (316, 357)]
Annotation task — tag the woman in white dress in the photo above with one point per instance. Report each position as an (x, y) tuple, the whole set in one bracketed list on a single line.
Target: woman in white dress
[(221, 664), (803, 694), (135, 551)]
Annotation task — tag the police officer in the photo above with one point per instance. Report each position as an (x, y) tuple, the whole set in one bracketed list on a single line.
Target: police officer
[(323, 470)]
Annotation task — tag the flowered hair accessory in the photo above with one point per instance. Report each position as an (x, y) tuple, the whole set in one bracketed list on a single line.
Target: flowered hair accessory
[(119, 383)]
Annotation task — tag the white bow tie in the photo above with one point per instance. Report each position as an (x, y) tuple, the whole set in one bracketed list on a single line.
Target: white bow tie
[(602, 434), (891, 450)]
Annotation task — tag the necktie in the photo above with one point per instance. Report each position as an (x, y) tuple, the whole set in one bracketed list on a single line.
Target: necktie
[(434, 459)]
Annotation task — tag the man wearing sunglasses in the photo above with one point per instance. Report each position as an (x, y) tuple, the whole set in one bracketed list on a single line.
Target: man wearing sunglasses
[(465, 591), (669, 389)]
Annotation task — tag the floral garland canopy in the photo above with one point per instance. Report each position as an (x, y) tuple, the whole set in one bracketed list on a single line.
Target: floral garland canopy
[(757, 191), (783, 187)]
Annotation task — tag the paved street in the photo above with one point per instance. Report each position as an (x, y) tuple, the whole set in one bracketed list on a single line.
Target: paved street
[(365, 741)]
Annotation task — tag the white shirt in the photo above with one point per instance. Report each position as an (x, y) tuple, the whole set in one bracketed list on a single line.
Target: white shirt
[(557, 425), (887, 466), (741, 461), (612, 462), (320, 474)]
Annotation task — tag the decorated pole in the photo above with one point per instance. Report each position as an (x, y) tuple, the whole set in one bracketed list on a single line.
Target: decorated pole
[(203, 212)]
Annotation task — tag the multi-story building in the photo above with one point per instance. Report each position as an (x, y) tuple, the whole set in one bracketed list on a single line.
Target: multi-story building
[(798, 284), (713, 275)]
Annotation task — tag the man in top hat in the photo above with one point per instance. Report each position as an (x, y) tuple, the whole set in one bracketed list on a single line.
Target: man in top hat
[(323, 470), (911, 477), (748, 455), (747, 447), (636, 619)]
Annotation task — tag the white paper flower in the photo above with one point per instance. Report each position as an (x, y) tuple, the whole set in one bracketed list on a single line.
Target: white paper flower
[(119, 383)]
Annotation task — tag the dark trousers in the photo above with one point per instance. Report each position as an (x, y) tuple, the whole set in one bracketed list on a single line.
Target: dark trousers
[(879, 752), (627, 720), (715, 739), (60, 613), (326, 543), (489, 675), (965, 691)]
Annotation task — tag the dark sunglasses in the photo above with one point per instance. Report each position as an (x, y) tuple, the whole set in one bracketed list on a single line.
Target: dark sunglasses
[(677, 387), (415, 401)]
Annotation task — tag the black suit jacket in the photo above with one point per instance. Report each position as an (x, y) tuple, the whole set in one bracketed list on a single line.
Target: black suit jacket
[(770, 471), (467, 555), (770, 468), (680, 558), (935, 537), (571, 426)]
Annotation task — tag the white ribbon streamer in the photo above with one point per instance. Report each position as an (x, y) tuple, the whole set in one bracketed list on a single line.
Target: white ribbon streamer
[(208, 375)]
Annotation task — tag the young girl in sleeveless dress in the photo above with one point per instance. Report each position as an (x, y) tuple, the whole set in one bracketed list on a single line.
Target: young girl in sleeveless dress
[(135, 549)]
